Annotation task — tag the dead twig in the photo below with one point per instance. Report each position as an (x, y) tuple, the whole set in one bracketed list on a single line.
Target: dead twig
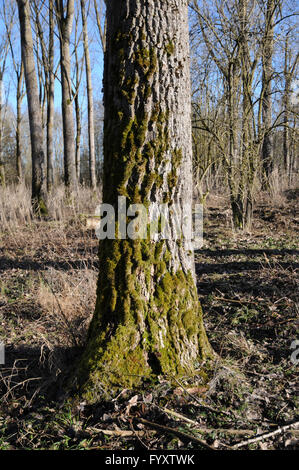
[(206, 430), (265, 436), (176, 432), (118, 432)]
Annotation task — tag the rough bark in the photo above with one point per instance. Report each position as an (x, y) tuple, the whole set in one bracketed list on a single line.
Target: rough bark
[(91, 146), (34, 111), (65, 22), (148, 319)]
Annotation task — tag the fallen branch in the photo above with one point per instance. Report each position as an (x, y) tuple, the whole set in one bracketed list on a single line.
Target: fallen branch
[(206, 430), (118, 432), (223, 299), (176, 432), (265, 436)]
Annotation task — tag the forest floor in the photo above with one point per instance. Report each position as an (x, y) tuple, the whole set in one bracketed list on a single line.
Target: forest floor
[(248, 286)]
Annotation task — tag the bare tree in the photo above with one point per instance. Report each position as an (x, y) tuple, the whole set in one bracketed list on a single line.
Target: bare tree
[(34, 111), (101, 21), (267, 57), (50, 107), (290, 65), (92, 160), (65, 17), (20, 92), (76, 88), (4, 47)]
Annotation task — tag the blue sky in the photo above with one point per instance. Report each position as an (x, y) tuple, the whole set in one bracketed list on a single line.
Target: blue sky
[(9, 82)]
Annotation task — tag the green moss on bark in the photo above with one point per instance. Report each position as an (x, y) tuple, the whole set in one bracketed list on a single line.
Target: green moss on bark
[(143, 313), (147, 319)]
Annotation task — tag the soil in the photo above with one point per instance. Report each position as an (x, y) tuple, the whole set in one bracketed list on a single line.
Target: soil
[(248, 286)]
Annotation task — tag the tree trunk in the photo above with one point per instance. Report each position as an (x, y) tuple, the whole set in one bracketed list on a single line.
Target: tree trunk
[(65, 21), (34, 111), (78, 136), (101, 28), (50, 101), (2, 170), (20, 76), (267, 147), (92, 159), (234, 158), (286, 119), (148, 319), (247, 162)]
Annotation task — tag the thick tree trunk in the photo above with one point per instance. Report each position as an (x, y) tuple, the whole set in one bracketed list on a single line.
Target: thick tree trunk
[(148, 319), (92, 159), (35, 117)]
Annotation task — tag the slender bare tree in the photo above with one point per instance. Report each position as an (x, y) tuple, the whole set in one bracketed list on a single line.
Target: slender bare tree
[(101, 21), (4, 47), (267, 58), (91, 146), (65, 16), (34, 111)]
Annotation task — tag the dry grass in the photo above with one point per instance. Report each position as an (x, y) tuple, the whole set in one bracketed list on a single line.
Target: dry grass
[(47, 288), (15, 206), (67, 301), (278, 185), (16, 210), (247, 285)]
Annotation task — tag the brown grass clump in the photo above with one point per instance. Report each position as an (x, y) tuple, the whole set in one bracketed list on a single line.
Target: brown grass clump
[(16, 208), (67, 301)]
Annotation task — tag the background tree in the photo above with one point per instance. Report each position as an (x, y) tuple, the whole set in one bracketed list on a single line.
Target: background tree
[(50, 99), (20, 93), (65, 16), (236, 69), (34, 111), (4, 47), (47, 66), (267, 58), (101, 21), (289, 70), (92, 161), (78, 68)]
